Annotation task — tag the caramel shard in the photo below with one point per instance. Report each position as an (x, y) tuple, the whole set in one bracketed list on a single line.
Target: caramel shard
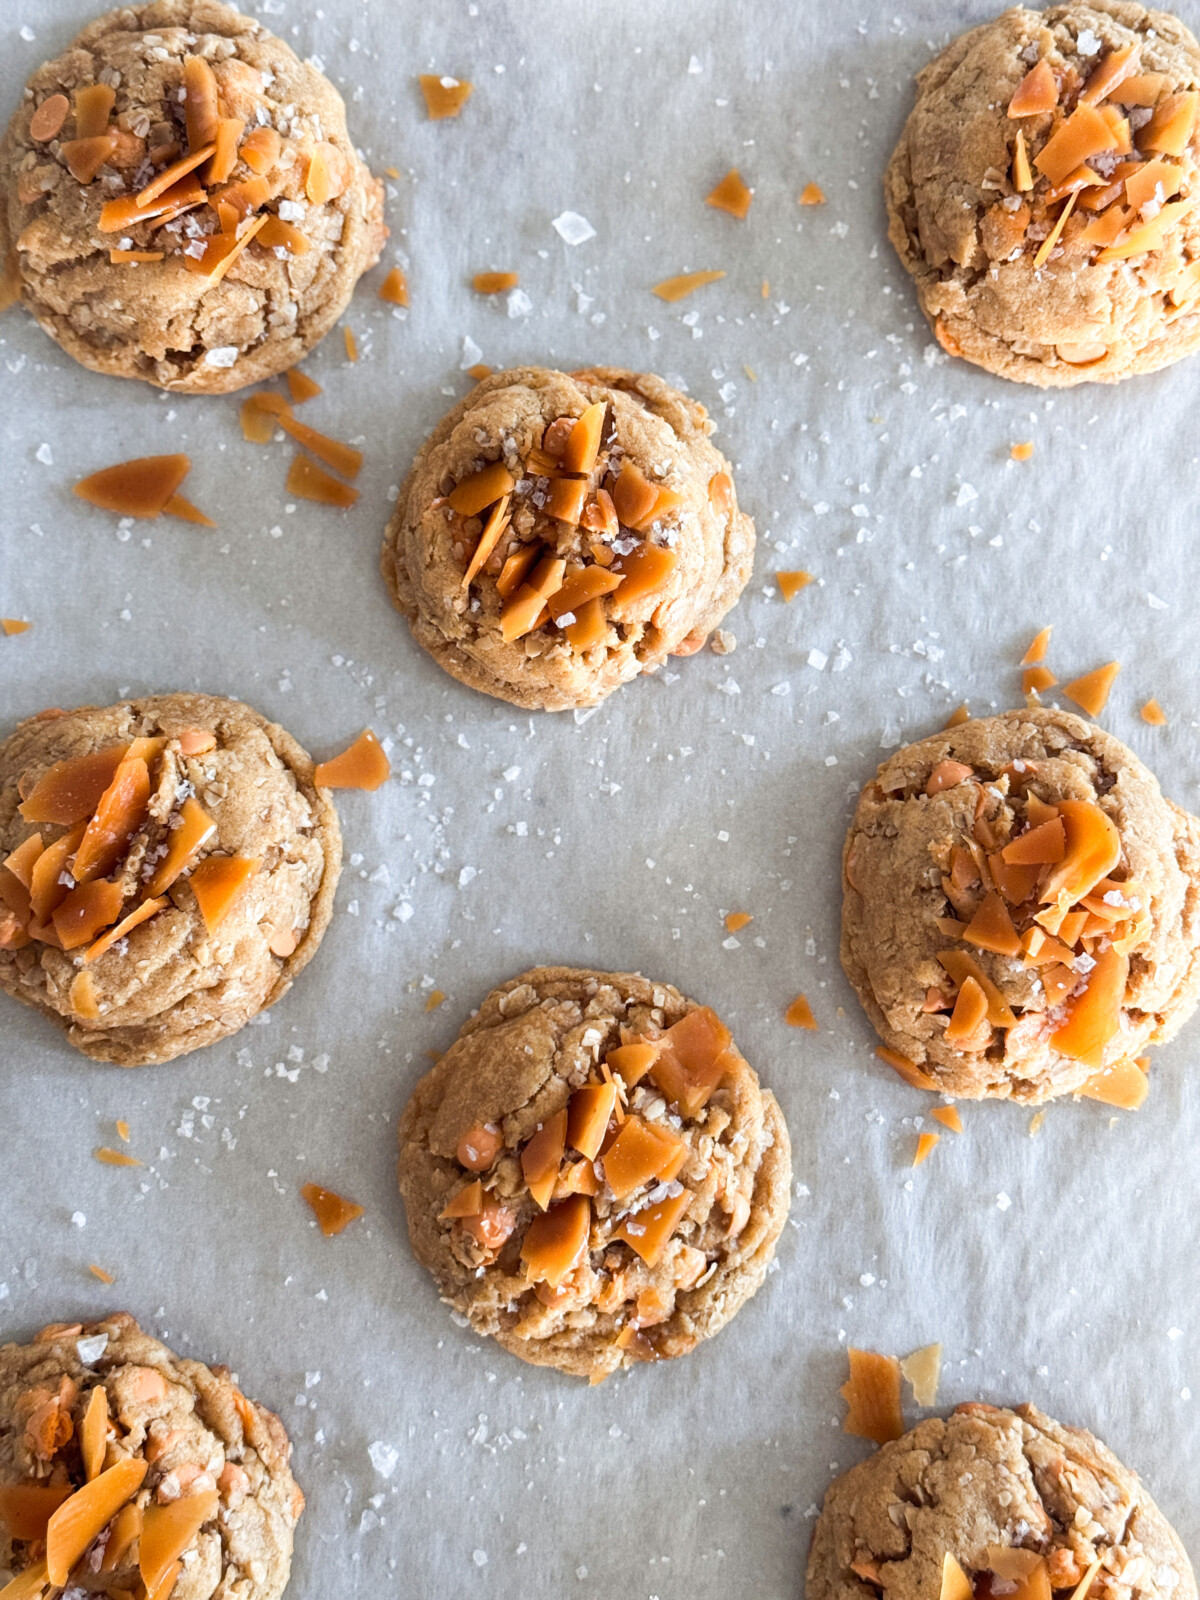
[(481, 490), (1093, 850), (1052, 238), (1084, 134), (493, 531), (27, 1585), (88, 1511), (363, 766), (692, 1058), (645, 571), (912, 1074), (494, 282), (565, 498), (260, 150), (926, 1144), (1036, 93), (168, 1530), (14, 625), (542, 1155), (588, 1116), (955, 1583), (224, 157), (258, 423), (351, 344), (300, 386), (1044, 845), (139, 488), (222, 250), (1036, 680), (332, 1212), (1022, 173), (949, 1118), (948, 775), (991, 928), (327, 174), (674, 289), (589, 629), (117, 215), (275, 234), (1116, 66), (468, 1202), (720, 493), (26, 1508), (85, 157), (309, 481), (1092, 690), (648, 1232), (200, 107), (444, 96), (556, 1240), (812, 194), (583, 441), (343, 458), (731, 195), (84, 911), (961, 965), (970, 1014), (22, 860), (1151, 235), (394, 288), (1022, 452), (47, 121), (93, 1433), (119, 814), (583, 585), (923, 1368), (1154, 714), (1123, 1085), (631, 1062), (218, 883), (800, 1014), (1172, 124), (169, 176), (873, 1395), (120, 258), (791, 583), (479, 1147), (737, 920), (1036, 653), (122, 930), (1094, 1017), (114, 1158), (70, 791), (1143, 89), (641, 1152)]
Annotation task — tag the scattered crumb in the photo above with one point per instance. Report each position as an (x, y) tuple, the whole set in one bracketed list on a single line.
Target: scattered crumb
[(444, 96), (394, 288), (1022, 452), (332, 1212), (351, 344), (791, 583), (737, 920), (948, 1117), (812, 194), (1036, 653), (115, 1158), (800, 1014), (13, 625), (926, 1144), (1154, 714), (673, 289), (731, 195), (1091, 692), (99, 1272)]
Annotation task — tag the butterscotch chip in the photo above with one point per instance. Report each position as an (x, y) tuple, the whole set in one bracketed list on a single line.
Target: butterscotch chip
[(221, 166), (592, 1172), (1011, 1499), (558, 535), (1021, 908), (1045, 193), (121, 1459), (198, 835)]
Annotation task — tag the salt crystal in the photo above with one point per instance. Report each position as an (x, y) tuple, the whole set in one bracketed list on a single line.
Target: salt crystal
[(966, 493), (519, 304), (384, 1458), (472, 355), (92, 1348), (572, 228), (817, 659), (1003, 1201), (224, 355)]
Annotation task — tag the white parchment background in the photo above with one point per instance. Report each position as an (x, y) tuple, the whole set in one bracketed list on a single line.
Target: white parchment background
[(619, 839)]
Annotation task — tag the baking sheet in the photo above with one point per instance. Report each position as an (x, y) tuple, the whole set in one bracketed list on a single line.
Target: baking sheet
[(1055, 1268)]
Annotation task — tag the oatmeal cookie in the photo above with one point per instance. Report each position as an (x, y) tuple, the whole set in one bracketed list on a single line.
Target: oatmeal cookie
[(1017, 1502), (1021, 912), (561, 533), (182, 201), (168, 868), (592, 1173), (188, 1487), (1043, 194)]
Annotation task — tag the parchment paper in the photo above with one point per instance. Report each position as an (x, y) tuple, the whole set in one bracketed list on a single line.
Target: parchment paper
[(1058, 1268)]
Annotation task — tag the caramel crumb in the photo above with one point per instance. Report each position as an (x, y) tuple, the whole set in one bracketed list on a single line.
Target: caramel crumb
[(1154, 714), (394, 288), (958, 716), (737, 920), (444, 96), (812, 194), (138, 488), (1036, 653), (494, 282), (123, 1130), (908, 1070), (115, 1158), (436, 997), (1036, 1123), (872, 1394), (673, 289), (479, 372), (926, 1144), (948, 1117), (1091, 692), (791, 583), (99, 1272), (308, 481), (1036, 680), (731, 195), (332, 1212), (363, 766), (800, 1014), (1023, 451), (301, 387), (13, 625), (351, 344)]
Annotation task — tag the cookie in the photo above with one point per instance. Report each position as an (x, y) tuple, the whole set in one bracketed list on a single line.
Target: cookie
[(1042, 193), (168, 868), (561, 533), (592, 1173), (1021, 912), (200, 276), (998, 1501), (188, 1488)]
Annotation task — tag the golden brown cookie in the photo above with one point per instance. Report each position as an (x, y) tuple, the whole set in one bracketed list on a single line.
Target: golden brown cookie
[(168, 868), (1021, 912), (142, 262), (592, 1173), (1001, 1502), (125, 1468), (1043, 193), (561, 533)]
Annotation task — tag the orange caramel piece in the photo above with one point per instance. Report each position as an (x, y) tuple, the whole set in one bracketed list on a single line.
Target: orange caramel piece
[(493, 531), (481, 490), (731, 195), (1114, 68), (168, 1530), (494, 282), (126, 1527), (556, 1240), (565, 498), (394, 288), (737, 920), (93, 1433), (1084, 134), (720, 493), (260, 150), (541, 1156), (1035, 680), (515, 569), (1172, 124), (1154, 714), (969, 1015), (124, 257), (85, 910), (948, 775), (640, 1152), (1151, 235), (93, 104), (1041, 846), (634, 497), (224, 157), (170, 175), (200, 102), (583, 441), (242, 200), (326, 177), (631, 1062), (1048, 244), (991, 928), (479, 1147), (1094, 1017), (645, 571), (468, 1202), (1142, 89), (309, 481), (588, 1115), (26, 1508), (589, 629), (343, 458), (275, 234), (1022, 172), (364, 765), (332, 1211), (678, 288), (915, 1076), (492, 1226), (45, 891), (1036, 653), (70, 791), (22, 860), (47, 121), (444, 96), (1015, 883), (139, 488), (584, 584), (136, 917), (300, 386), (523, 612), (195, 830), (1022, 452), (177, 506), (800, 1014), (648, 1232), (1038, 810), (1091, 692), (791, 583), (1123, 1085), (961, 965), (948, 1117), (125, 212), (118, 816), (955, 1583), (1153, 180), (85, 157), (218, 883), (1093, 850), (258, 421), (222, 250), (927, 1143), (692, 1058), (872, 1394), (812, 194), (86, 1513), (1036, 93), (14, 625)]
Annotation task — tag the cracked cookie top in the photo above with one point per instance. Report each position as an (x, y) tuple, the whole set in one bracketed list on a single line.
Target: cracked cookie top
[(167, 867), (992, 1502), (561, 533), (1021, 911), (183, 200), (1044, 193), (592, 1173)]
